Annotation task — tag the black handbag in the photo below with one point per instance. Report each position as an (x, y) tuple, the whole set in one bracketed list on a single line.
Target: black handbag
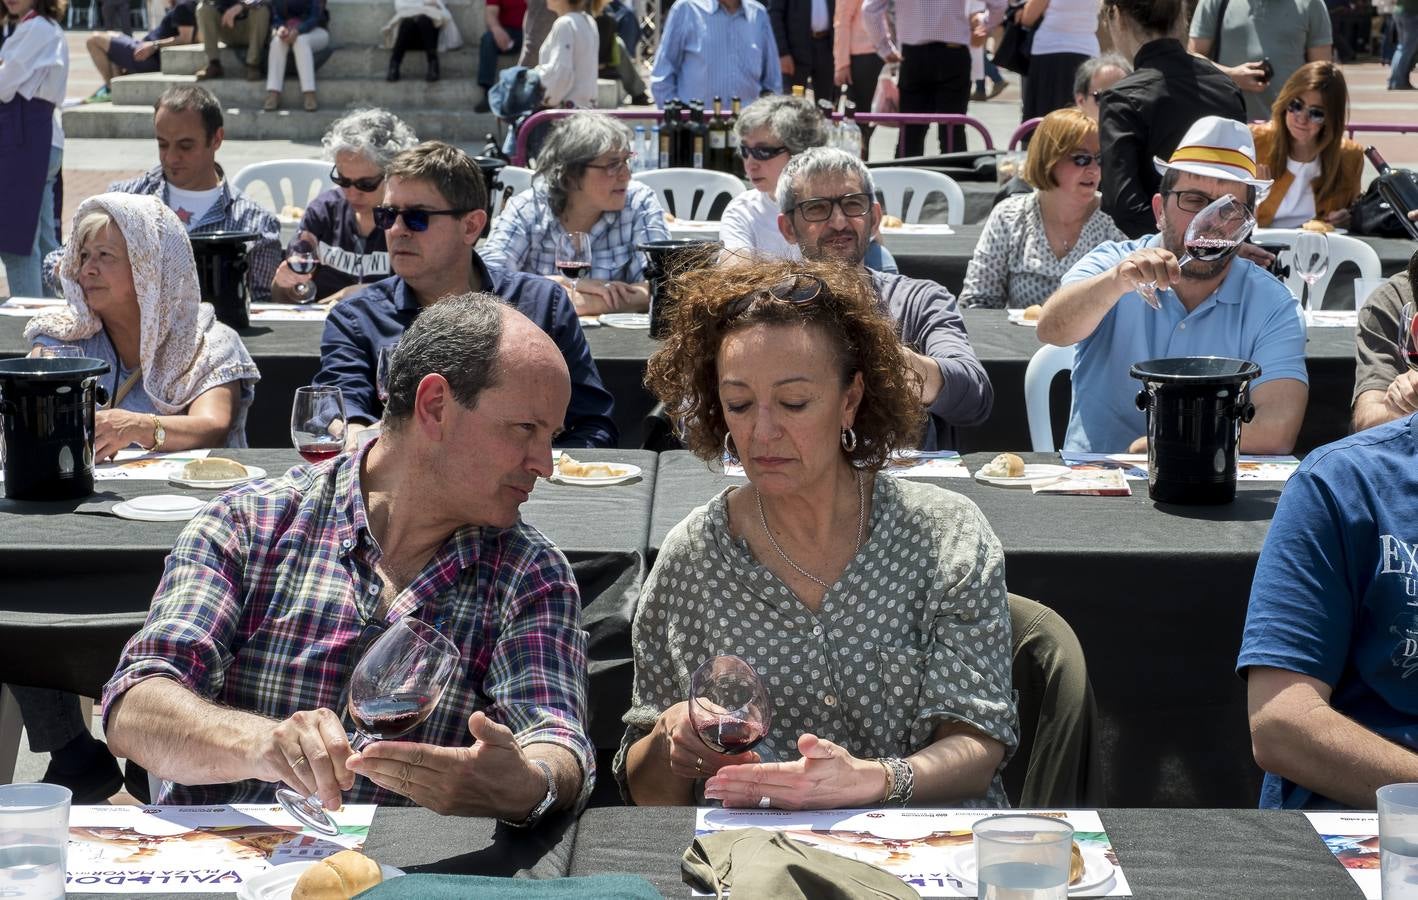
[(1372, 216), (1017, 44)]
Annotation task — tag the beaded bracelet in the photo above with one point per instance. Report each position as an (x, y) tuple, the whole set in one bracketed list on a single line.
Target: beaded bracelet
[(900, 780)]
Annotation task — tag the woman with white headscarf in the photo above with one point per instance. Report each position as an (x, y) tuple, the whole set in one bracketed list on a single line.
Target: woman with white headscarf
[(178, 379)]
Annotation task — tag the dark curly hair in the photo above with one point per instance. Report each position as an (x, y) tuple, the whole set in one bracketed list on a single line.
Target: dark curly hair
[(684, 373)]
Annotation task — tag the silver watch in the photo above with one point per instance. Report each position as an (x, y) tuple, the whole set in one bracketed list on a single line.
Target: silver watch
[(547, 803)]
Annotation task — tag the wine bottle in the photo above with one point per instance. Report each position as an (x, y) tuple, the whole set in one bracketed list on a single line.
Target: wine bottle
[(669, 135), (698, 132), (1398, 187), (735, 160), (718, 139)]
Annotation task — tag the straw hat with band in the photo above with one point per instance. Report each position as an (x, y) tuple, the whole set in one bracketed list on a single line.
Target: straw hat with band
[(1217, 148)]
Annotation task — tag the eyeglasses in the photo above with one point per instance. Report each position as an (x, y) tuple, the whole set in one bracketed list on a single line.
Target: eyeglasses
[(414, 219), (762, 154), (1084, 160), (1297, 106), (614, 169), (1192, 201), (796, 289), (819, 209), (368, 185)]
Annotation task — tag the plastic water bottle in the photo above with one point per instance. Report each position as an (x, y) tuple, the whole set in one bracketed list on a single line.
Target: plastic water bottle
[(849, 133), (640, 148), (654, 159)]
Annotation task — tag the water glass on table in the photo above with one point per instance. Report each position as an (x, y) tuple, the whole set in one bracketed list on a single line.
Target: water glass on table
[(317, 422), (34, 840), (1022, 857), (59, 351), (1398, 840)]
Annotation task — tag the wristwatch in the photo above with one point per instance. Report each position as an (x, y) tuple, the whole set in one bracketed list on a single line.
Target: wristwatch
[(547, 803), (159, 434)]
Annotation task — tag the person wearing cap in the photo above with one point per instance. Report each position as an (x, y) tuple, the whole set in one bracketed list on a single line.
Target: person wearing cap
[(1227, 307)]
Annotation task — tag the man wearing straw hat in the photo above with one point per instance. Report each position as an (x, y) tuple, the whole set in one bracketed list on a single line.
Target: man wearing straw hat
[(1219, 307)]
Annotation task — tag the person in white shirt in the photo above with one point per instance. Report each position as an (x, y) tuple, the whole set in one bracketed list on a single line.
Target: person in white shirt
[(34, 72), (770, 131), (570, 55), (1065, 36)]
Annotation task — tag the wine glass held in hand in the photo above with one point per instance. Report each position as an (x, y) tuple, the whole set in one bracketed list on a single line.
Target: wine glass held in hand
[(381, 373), (317, 422), (302, 261), (1214, 234), (573, 256), (728, 705), (1409, 320), (396, 684), (1311, 261)]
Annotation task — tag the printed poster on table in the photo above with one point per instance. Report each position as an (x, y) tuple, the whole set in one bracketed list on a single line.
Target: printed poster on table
[(194, 849), (1353, 838), (932, 850), (143, 465)]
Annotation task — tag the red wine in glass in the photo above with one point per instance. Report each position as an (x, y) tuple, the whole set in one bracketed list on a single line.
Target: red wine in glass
[(572, 270), (728, 705), (317, 422), (387, 717), (573, 256), (318, 451), (1209, 248), (728, 734)]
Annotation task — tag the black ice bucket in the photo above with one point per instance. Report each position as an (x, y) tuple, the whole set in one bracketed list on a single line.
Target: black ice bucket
[(221, 273), (1195, 407), (47, 421), (663, 261)]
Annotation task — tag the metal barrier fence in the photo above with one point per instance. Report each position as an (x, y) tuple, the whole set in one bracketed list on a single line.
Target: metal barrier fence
[(1023, 131), (1380, 128)]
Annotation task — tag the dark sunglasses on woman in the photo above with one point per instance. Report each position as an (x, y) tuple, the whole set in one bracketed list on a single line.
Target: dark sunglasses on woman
[(414, 219), (367, 185), (762, 154), (1297, 106), (796, 289), (1084, 160)]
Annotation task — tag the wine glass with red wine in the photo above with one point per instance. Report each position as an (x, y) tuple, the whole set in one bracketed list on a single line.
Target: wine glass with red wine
[(573, 255), (398, 681), (1408, 319), (317, 422), (302, 261), (1214, 233), (728, 705)]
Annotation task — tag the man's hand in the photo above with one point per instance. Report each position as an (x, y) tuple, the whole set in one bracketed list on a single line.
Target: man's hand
[(891, 57), (491, 778), (1150, 264), (842, 75), (1402, 394), (1339, 218), (309, 752), (825, 777), (145, 50), (1256, 254), (229, 17), (978, 33), (1248, 76), (1139, 445), (785, 62), (502, 39)]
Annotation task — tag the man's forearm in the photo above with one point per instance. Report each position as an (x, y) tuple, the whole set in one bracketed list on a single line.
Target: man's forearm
[(564, 767), (1372, 409), (1075, 310), (1332, 755)]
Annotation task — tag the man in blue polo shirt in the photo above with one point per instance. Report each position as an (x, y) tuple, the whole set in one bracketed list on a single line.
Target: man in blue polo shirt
[(1228, 307), (1330, 650), (435, 207)]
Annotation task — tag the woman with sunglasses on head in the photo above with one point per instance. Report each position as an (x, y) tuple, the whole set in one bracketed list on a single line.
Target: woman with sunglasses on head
[(1030, 240), (583, 184), (338, 227), (873, 608), (1318, 172)]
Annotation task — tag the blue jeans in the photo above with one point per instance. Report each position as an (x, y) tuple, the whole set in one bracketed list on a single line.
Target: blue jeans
[(488, 51), (1407, 49), (23, 272)]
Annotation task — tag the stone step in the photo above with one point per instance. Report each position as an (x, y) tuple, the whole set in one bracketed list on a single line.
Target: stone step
[(451, 94), (111, 120), (347, 61)]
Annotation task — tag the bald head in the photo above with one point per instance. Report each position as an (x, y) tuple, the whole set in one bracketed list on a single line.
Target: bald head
[(524, 344)]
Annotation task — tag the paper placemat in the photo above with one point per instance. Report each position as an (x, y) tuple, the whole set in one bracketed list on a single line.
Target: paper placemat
[(1134, 465), (1353, 838)]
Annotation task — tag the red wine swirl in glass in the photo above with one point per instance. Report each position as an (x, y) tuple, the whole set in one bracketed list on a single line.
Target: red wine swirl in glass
[(317, 422), (1213, 234), (302, 261), (728, 705), (573, 256)]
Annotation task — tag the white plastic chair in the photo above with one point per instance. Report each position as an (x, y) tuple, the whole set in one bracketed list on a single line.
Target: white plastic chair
[(515, 177), (893, 185), (287, 182), (1047, 362), (1342, 249), (691, 193)]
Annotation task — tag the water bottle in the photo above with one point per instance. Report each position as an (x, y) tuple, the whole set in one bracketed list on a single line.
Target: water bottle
[(849, 133), (652, 159), (640, 149)]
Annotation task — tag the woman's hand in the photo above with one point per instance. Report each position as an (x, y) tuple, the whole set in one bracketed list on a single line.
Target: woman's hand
[(288, 280), (690, 757), (286, 35), (115, 429), (591, 296), (826, 777)]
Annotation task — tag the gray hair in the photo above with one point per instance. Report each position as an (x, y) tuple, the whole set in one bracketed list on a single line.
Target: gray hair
[(794, 120), (570, 145), (814, 163), (1083, 76), (91, 224), (458, 338), (376, 134)]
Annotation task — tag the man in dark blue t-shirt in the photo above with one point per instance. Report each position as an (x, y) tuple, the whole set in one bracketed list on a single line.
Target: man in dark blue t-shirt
[(1330, 650), (116, 53), (434, 210)]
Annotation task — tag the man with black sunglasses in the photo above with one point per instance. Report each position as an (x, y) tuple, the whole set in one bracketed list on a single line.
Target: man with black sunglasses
[(433, 212)]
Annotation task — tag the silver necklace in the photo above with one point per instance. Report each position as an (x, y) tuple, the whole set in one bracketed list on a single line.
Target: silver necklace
[(861, 527)]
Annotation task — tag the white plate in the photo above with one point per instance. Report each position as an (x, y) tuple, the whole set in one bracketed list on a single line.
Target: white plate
[(1097, 871), (277, 883), (1032, 472), (159, 508), (628, 473), (626, 320), (219, 483)]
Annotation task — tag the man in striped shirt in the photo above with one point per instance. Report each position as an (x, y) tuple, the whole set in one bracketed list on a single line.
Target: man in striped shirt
[(716, 48), (239, 679)]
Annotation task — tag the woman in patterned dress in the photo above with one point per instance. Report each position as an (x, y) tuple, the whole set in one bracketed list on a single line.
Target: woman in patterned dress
[(874, 608)]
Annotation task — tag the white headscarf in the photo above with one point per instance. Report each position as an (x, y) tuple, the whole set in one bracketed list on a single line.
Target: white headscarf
[(183, 349)]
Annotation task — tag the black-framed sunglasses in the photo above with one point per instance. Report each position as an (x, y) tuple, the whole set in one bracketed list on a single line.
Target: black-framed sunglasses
[(616, 168), (414, 219), (819, 209), (797, 289), (1297, 106), (367, 185), (1191, 201), (762, 154), (1084, 160)]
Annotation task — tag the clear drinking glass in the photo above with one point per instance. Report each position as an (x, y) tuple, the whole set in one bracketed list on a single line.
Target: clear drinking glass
[(381, 371), (34, 840), (1398, 840), (1021, 857), (398, 681), (1214, 233), (728, 705), (60, 351), (317, 422), (573, 255), (1310, 254)]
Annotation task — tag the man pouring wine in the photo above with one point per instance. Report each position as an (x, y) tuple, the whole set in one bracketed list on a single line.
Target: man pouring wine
[(1208, 303)]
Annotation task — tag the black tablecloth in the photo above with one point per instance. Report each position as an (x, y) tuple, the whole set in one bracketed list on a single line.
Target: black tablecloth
[(1157, 595), (1172, 853)]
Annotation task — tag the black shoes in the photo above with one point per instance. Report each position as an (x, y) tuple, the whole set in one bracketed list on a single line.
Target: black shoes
[(393, 75), (433, 73), (93, 783)]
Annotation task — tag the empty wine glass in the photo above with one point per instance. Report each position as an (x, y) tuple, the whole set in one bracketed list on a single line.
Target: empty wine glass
[(60, 351), (302, 261), (398, 681), (1214, 233), (317, 422), (728, 705), (381, 371), (573, 255), (1311, 260)]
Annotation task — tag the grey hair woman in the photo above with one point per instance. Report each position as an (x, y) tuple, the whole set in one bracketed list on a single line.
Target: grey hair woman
[(583, 185), (338, 226), (771, 131)]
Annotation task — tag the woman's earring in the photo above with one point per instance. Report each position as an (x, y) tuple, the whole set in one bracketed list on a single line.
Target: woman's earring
[(849, 440), (730, 450)]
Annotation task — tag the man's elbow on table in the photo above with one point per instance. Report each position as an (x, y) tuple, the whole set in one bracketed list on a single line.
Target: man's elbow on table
[(1279, 702)]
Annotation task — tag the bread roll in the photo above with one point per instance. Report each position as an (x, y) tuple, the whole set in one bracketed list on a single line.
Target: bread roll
[(338, 877), (573, 469), (891, 222), (1317, 225), (1006, 465), (1075, 864), (1031, 313), (213, 468)]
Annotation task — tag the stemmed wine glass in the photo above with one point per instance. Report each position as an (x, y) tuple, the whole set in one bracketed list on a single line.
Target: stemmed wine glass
[(1311, 260), (1214, 233), (398, 681), (302, 261), (573, 255), (317, 422), (728, 705), (1408, 318), (381, 371), (60, 351)]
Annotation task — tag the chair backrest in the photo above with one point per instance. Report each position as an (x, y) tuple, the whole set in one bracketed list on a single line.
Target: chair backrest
[(1342, 249), (515, 177), (698, 195), (284, 182), (1057, 764), (1046, 362), (904, 191)]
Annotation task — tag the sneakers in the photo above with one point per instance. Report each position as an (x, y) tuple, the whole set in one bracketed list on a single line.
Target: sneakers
[(979, 95), (213, 69), (102, 95)]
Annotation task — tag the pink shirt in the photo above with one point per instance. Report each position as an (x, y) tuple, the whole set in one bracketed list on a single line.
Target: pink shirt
[(849, 34)]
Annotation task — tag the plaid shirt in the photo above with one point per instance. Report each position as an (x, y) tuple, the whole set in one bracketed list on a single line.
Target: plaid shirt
[(231, 212), (269, 589), (525, 233)]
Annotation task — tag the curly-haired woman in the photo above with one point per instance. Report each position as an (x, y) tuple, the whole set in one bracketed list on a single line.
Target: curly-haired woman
[(874, 608)]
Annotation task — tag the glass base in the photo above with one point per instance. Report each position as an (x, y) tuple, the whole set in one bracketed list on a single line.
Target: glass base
[(308, 811)]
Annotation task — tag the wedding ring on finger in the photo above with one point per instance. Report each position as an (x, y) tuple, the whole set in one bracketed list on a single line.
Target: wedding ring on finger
[(699, 764), (299, 761), (764, 802)]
